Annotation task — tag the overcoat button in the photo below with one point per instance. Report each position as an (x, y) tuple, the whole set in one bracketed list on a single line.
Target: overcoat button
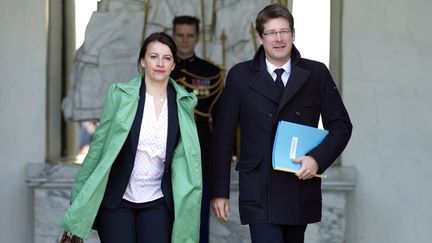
[(298, 113), (269, 115)]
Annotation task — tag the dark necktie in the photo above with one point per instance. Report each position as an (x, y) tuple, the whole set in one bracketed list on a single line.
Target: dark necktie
[(278, 81)]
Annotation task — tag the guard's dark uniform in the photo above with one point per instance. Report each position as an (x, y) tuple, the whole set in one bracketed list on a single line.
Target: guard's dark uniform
[(205, 80)]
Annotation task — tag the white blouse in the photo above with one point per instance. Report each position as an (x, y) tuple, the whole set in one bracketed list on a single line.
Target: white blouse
[(145, 181)]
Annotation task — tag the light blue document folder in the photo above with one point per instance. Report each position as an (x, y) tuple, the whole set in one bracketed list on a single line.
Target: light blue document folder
[(292, 141)]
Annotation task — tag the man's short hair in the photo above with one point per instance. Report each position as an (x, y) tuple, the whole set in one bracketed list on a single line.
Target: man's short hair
[(186, 19), (273, 11)]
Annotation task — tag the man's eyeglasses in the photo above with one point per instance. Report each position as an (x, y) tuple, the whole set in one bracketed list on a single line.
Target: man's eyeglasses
[(273, 34)]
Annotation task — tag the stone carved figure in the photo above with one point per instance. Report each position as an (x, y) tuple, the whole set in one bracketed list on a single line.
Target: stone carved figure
[(113, 37)]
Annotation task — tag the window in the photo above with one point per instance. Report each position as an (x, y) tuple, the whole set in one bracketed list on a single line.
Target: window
[(312, 24)]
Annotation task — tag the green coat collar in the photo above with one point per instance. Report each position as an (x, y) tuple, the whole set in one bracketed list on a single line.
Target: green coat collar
[(132, 88)]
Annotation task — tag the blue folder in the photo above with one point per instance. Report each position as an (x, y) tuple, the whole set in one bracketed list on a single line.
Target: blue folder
[(292, 141)]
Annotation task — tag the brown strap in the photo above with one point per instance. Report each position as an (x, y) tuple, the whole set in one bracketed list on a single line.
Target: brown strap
[(69, 238)]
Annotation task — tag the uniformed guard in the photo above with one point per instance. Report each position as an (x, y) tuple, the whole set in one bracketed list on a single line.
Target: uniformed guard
[(205, 80)]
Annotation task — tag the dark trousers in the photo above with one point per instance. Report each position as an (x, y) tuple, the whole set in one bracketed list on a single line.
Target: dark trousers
[(135, 223), (276, 233), (205, 215)]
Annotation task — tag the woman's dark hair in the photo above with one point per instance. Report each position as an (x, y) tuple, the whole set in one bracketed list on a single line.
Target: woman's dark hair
[(157, 37)]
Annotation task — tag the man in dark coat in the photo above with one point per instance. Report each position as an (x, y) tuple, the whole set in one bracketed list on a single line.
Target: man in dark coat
[(205, 80), (277, 84)]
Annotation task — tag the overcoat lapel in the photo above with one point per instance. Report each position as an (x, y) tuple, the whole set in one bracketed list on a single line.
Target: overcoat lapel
[(173, 125), (131, 109), (263, 83), (136, 125), (296, 80)]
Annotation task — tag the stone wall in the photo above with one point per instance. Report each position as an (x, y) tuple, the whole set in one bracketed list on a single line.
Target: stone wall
[(52, 183)]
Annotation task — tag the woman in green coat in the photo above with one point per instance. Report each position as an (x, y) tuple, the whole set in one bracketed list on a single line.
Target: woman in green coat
[(141, 180)]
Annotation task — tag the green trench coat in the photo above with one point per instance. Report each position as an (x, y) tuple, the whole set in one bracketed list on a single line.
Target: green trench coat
[(118, 114)]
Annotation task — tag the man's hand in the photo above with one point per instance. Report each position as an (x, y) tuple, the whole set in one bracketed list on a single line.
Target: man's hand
[(220, 208), (309, 167)]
